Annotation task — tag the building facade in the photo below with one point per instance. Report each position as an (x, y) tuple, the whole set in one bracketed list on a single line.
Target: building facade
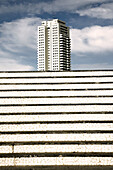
[(53, 46)]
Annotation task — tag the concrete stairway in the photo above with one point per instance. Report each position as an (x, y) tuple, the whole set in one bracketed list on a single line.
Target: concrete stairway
[(56, 118)]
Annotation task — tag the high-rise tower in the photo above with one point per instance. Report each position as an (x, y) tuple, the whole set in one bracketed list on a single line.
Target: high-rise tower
[(53, 46)]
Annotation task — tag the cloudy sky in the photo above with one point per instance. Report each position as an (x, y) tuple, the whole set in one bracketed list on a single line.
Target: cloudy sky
[(91, 30)]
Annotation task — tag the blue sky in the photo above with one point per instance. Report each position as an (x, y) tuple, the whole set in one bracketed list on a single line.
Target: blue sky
[(91, 30)]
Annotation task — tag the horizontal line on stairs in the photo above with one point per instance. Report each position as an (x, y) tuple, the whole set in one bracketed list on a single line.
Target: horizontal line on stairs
[(59, 132), (57, 142), (82, 154), (69, 104), (59, 167), (54, 77), (6, 90), (56, 83), (46, 113), (52, 122), (8, 97)]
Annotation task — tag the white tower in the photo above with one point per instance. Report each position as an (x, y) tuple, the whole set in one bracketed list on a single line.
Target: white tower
[(53, 46)]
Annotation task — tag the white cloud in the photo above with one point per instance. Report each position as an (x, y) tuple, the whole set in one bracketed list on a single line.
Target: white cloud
[(18, 43), (104, 11), (92, 39), (19, 33), (95, 66), (12, 65)]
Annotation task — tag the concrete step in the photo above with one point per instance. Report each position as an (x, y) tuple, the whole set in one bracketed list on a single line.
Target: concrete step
[(56, 127), (56, 108), (58, 86), (56, 148), (66, 100), (55, 137), (56, 80), (55, 161), (67, 148), (53, 93), (56, 117), (54, 74)]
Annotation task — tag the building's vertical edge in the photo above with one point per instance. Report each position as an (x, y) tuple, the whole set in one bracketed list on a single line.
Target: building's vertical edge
[(58, 46), (51, 42), (68, 51), (64, 47), (41, 48), (37, 47), (46, 49)]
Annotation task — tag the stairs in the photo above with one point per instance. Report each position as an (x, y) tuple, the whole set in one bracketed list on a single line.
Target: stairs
[(56, 118)]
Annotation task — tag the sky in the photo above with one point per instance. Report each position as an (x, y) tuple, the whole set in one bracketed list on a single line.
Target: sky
[(91, 32)]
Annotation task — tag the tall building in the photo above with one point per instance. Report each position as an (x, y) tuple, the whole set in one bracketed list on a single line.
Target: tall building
[(53, 46)]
